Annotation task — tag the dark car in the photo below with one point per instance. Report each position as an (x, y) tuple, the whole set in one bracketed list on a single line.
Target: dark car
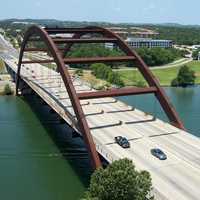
[(122, 141), (159, 154)]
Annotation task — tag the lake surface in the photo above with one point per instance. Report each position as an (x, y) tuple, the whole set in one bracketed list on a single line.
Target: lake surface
[(31, 165), (185, 100), (31, 142)]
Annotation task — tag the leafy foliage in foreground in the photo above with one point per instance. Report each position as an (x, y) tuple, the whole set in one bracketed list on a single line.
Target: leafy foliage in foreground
[(119, 181)]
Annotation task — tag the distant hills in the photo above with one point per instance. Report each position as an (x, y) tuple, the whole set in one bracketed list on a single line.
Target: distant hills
[(178, 33), (54, 22)]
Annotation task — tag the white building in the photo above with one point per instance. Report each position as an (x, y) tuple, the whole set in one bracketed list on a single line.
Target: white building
[(148, 42), (144, 42)]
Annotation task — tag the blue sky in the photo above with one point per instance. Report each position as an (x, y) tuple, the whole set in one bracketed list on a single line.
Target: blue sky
[(141, 11)]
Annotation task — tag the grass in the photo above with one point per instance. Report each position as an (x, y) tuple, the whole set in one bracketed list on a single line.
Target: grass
[(165, 76)]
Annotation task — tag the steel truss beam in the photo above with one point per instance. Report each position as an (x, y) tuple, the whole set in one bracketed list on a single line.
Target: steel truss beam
[(116, 93), (84, 40), (37, 61), (59, 54)]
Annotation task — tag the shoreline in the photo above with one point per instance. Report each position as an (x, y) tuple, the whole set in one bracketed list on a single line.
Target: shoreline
[(195, 85), (5, 79)]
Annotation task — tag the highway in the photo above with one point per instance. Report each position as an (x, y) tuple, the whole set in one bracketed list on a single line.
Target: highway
[(177, 178)]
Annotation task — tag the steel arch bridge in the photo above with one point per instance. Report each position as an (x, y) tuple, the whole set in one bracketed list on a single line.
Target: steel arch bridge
[(59, 56)]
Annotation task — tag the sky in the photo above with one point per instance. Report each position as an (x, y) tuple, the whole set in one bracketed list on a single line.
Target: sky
[(128, 11)]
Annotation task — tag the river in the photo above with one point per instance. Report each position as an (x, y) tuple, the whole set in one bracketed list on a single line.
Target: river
[(185, 100), (31, 142)]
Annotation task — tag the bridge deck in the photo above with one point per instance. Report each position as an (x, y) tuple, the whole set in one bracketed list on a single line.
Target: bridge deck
[(178, 177)]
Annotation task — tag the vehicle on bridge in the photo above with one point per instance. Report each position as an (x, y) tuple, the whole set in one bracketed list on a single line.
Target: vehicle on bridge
[(122, 141), (158, 153)]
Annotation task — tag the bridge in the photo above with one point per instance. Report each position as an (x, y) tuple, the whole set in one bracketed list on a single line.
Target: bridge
[(98, 117)]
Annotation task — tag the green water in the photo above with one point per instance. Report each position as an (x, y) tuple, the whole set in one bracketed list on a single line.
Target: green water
[(31, 166), (31, 142), (185, 100)]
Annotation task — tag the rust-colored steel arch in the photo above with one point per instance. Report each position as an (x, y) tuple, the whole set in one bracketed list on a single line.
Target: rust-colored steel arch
[(143, 68), (59, 57), (83, 126)]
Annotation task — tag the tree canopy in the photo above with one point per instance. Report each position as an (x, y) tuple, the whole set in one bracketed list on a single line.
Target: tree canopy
[(185, 77), (159, 56), (183, 35), (120, 181), (105, 72), (195, 54)]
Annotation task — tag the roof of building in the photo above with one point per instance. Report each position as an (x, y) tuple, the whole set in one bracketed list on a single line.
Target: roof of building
[(131, 39)]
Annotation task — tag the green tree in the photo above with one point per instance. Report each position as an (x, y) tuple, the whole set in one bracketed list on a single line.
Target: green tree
[(91, 50), (185, 77), (140, 83), (115, 79), (105, 72), (7, 90), (120, 181), (159, 56), (100, 70), (195, 54)]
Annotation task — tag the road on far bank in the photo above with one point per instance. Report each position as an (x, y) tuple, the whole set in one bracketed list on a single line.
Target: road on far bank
[(164, 74), (176, 63)]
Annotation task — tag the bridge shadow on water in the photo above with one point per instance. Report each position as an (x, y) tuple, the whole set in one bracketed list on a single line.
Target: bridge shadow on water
[(70, 146)]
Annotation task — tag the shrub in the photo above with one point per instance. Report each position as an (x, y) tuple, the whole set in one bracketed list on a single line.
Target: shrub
[(101, 70), (140, 83), (117, 80), (105, 72), (174, 82), (7, 90), (195, 54)]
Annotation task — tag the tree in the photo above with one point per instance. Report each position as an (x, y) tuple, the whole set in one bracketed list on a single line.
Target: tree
[(91, 50), (7, 90), (159, 56), (105, 72), (120, 181), (100, 70), (116, 79), (195, 54), (140, 83), (185, 77)]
